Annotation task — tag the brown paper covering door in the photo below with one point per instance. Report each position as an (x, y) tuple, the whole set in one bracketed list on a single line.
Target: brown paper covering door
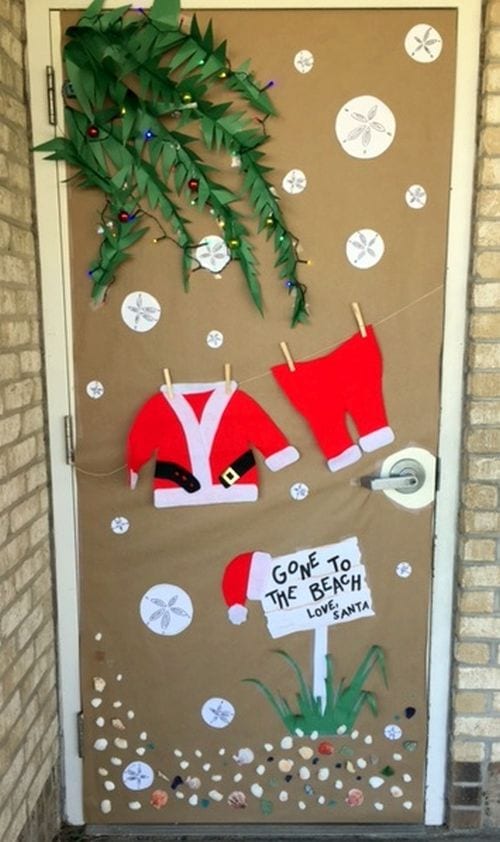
[(147, 710)]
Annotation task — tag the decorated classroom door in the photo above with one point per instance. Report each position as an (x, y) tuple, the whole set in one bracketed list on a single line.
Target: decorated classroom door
[(255, 543)]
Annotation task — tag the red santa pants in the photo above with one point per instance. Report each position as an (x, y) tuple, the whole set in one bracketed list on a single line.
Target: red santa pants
[(347, 381)]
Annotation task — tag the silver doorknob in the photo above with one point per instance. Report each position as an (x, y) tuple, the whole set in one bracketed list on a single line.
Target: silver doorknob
[(405, 476)]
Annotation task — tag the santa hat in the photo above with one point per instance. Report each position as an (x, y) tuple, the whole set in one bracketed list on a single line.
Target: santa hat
[(243, 579)]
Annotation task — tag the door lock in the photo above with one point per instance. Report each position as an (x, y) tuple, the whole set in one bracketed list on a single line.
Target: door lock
[(405, 476)]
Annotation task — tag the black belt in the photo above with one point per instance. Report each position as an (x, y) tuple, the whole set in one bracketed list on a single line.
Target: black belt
[(186, 480)]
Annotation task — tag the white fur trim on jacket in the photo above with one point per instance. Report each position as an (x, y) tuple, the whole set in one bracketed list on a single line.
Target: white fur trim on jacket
[(282, 458)]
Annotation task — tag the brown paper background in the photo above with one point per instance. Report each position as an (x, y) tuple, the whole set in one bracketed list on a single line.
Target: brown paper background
[(166, 680)]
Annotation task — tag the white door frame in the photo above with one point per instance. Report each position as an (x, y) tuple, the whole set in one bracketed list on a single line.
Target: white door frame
[(43, 41)]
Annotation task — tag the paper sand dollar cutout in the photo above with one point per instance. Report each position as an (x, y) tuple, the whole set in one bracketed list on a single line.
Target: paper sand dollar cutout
[(166, 609), (299, 491), (217, 712), (423, 43), (303, 61), (365, 127), (416, 197), (140, 311), (120, 525), (94, 389), (213, 254), (404, 570), (215, 339), (138, 775), (364, 248), (294, 182), (392, 732)]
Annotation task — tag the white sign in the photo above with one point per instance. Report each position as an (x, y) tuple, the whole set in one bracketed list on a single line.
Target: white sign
[(318, 587)]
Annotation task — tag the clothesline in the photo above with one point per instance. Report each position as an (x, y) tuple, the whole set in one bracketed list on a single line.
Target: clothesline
[(267, 373)]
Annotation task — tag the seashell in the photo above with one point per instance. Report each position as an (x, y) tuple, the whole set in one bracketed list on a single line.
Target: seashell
[(193, 783), (215, 795), (106, 806), (119, 742), (193, 800), (350, 767), (159, 799), (237, 800), (118, 724), (306, 752), (323, 774), (396, 791), (326, 748), (286, 742), (134, 805), (256, 790), (283, 796), (285, 765), (376, 782), (101, 744), (99, 684), (244, 756), (109, 785), (354, 798), (304, 773)]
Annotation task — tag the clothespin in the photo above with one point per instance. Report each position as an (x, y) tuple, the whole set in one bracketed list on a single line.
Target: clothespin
[(359, 318), (287, 355), (168, 382), (227, 377)]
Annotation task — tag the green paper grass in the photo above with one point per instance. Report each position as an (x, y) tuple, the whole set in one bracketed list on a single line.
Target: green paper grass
[(344, 702)]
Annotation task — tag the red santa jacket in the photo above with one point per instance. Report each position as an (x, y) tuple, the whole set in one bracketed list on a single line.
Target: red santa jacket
[(202, 439)]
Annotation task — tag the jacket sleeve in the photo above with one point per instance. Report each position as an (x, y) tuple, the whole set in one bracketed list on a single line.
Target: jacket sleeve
[(144, 436), (266, 436)]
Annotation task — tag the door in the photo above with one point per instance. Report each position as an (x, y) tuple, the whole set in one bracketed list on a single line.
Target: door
[(255, 571)]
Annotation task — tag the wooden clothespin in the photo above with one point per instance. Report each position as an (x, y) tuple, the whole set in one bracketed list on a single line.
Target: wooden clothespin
[(168, 382), (287, 355), (227, 377), (356, 309)]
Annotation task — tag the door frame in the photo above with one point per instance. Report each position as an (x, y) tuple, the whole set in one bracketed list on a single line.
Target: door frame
[(43, 39)]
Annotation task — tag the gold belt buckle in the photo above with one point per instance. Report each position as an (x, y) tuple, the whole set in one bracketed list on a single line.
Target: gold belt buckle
[(230, 476)]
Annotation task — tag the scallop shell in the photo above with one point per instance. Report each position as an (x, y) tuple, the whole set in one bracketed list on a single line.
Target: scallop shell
[(244, 756), (285, 765), (237, 800), (193, 783), (118, 724)]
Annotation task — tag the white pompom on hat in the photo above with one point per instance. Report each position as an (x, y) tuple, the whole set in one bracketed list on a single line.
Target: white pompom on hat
[(243, 579)]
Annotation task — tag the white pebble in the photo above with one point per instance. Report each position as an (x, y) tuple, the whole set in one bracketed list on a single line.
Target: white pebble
[(118, 724), (407, 805), (119, 677), (407, 778), (222, 752), (134, 805), (396, 791), (96, 702), (103, 772), (98, 636), (143, 735), (350, 767), (99, 684), (339, 784), (376, 782), (368, 739), (302, 805), (207, 767), (314, 735), (354, 735), (100, 721), (361, 762), (101, 744), (215, 795), (120, 743), (286, 742), (323, 774), (244, 756), (378, 806), (341, 729), (177, 752), (106, 806), (130, 714), (321, 799), (299, 732), (256, 790), (184, 764), (304, 773), (285, 764), (397, 756), (238, 777), (116, 761), (260, 769), (283, 796), (109, 785), (198, 753), (216, 778), (306, 752), (117, 704), (140, 751), (268, 746), (179, 794), (193, 800)]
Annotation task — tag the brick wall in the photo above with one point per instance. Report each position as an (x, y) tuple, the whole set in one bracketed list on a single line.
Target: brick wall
[(475, 797), (28, 716)]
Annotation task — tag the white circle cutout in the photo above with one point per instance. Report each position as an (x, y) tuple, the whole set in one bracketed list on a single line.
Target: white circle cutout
[(140, 311), (303, 61), (294, 182), (215, 339), (120, 525), (423, 43), (404, 570), (94, 389), (365, 127), (166, 609), (299, 491), (364, 248), (217, 712), (416, 197), (138, 775), (213, 254)]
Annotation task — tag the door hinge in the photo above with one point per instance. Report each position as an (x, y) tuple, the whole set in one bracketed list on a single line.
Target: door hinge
[(68, 439), (79, 732), (438, 473), (50, 81)]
